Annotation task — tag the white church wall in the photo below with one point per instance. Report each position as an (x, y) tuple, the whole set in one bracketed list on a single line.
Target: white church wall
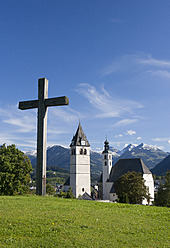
[(149, 183), (106, 190), (80, 170), (83, 182), (72, 183), (83, 159), (83, 169)]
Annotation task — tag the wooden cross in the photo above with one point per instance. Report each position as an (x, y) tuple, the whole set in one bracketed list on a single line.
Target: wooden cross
[(42, 103)]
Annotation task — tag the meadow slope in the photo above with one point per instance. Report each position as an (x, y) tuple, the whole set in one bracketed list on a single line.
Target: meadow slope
[(34, 221)]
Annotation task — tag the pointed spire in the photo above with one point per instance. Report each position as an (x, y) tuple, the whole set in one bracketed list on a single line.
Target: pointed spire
[(79, 138)]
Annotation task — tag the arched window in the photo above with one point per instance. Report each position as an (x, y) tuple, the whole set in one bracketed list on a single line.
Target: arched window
[(105, 157), (82, 189), (110, 157), (105, 163), (110, 163), (81, 151), (85, 151)]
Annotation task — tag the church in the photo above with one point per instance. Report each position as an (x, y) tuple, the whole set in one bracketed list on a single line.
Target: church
[(79, 180), (112, 173)]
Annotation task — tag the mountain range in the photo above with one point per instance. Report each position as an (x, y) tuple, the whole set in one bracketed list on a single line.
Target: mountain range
[(152, 156)]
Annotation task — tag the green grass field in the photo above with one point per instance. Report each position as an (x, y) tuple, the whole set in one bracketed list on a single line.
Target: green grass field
[(32, 221)]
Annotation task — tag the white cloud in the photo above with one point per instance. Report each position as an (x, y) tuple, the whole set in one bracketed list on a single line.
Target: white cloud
[(155, 67), (139, 65), (118, 135), (139, 138), (161, 139), (161, 73), (130, 132), (154, 62), (24, 124), (125, 122), (107, 105), (19, 127), (65, 114)]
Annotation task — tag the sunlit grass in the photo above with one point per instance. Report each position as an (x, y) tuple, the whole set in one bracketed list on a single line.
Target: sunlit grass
[(53, 222)]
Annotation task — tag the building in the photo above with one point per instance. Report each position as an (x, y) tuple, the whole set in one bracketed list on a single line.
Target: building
[(79, 180), (107, 166), (111, 174)]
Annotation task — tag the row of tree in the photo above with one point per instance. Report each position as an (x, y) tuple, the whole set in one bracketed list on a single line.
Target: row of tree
[(162, 198)]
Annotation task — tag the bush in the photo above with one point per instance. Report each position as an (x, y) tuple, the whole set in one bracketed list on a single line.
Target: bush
[(50, 189)]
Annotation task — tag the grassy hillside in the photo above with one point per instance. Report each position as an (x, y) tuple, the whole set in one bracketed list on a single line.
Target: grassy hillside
[(51, 222)]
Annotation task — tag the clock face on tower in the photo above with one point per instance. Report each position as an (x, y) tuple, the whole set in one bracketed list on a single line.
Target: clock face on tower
[(83, 143)]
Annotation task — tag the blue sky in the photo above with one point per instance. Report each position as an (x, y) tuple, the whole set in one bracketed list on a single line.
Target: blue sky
[(111, 58)]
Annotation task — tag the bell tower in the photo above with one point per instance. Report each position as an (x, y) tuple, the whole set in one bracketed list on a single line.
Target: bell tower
[(107, 166), (80, 164)]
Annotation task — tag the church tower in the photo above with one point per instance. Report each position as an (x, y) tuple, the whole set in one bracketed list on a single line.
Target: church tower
[(80, 163), (107, 166)]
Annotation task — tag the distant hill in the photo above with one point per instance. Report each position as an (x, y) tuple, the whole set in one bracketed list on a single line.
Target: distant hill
[(162, 167), (60, 156), (150, 155)]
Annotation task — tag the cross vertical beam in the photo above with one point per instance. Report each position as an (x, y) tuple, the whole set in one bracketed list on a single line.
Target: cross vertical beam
[(41, 137), (42, 104)]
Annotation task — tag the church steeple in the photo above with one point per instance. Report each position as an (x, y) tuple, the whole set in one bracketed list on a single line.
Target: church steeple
[(106, 146), (79, 139), (107, 165), (80, 163)]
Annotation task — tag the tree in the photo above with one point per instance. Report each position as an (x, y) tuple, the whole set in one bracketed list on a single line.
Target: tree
[(14, 171), (70, 194), (50, 189), (130, 188), (162, 198)]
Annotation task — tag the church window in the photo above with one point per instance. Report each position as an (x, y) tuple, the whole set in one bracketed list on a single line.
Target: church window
[(82, 189), (73, 152), (110, 163), (110, 157), (105, 163), (105, 157), (81, 151), (85, 151)]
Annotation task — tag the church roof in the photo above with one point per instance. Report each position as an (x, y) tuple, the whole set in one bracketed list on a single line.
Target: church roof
[(78, 137), (125, 165), (67, 183), (86, 196)]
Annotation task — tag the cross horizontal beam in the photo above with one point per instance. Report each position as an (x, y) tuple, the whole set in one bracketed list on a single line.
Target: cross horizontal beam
[(49, 102), (28, 104), (57, 101)]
